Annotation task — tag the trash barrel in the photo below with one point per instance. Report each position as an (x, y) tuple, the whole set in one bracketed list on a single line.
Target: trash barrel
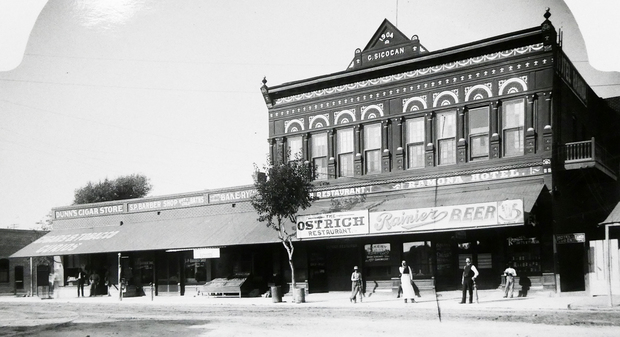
[(300, 295), (276, 294)]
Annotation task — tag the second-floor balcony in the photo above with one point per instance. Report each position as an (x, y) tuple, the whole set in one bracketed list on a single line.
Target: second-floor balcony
[(588, 154)]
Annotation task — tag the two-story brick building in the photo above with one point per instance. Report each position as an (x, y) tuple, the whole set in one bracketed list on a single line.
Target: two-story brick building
[(496, 150)]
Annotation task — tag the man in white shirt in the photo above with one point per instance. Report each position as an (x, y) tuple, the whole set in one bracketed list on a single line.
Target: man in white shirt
[(356, 285), (510, 274), (469, 276)]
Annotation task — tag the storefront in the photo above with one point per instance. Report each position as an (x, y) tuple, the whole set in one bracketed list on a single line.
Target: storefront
[(173, 243), (433, 225)]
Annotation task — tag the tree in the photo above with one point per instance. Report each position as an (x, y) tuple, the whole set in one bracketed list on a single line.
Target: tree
[(47, 223), (282, 190), (125, 187)]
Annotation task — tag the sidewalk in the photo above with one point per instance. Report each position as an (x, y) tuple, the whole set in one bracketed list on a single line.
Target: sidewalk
[(488, 300)]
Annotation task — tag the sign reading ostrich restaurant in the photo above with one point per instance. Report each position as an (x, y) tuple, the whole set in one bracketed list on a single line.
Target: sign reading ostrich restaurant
[(498, 213), (332, 224)]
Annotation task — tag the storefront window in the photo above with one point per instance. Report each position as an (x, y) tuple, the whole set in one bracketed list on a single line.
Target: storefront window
[(195, 271), (419, 257), (377, 252), (524, 254)]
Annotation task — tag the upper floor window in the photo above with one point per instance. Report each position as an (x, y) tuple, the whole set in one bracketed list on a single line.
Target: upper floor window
[(294, 148), (372, 148), (445, 124), (319, 155), (414, 138), (344, 149), (513, 120), (478, 131)]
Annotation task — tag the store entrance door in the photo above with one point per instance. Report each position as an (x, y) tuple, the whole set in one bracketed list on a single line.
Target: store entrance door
[(571, 266), (317, 272), (339, 263)]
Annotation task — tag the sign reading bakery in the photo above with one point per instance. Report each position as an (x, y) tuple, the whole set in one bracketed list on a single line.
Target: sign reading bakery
[(332, 224), (506, 212)]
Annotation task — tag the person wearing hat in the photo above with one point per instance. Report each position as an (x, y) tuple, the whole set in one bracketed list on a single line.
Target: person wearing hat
[(356, 285)]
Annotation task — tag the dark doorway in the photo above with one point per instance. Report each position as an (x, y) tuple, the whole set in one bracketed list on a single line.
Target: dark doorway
[(339, 263), (317, 272), (571, 266), (19, 277)]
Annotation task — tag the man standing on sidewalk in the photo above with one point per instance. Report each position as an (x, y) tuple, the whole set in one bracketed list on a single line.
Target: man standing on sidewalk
[(469, 276), (356, 285), (510, 274)]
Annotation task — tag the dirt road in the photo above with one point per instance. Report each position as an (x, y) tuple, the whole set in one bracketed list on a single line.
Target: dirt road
[(49, 318)]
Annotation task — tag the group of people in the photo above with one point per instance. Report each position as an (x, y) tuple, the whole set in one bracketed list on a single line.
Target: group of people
[(407, 286), (409, 290), (83, 278)]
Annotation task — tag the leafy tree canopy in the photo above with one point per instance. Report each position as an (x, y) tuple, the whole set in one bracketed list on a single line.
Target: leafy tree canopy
[(125, 187)]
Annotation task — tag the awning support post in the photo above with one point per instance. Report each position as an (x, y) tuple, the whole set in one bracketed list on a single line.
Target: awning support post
[(608, 269), (120, 285)]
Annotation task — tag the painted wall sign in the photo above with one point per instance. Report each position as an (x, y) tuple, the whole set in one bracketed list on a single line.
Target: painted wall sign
[(168, 203), (468, 178), (570, 238), (343, 192), (332, 224), (522, 240), (69, 242), (432, 182), (448, 217), (231, 196), (570, 75), (92, 211)]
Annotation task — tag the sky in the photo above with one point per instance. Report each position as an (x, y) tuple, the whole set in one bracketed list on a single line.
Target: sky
[(170, 89)]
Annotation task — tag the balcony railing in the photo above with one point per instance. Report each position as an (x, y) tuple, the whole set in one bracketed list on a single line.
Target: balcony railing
[(588, 154)]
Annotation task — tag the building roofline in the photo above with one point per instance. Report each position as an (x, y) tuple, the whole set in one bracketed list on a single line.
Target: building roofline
[(485, 46)]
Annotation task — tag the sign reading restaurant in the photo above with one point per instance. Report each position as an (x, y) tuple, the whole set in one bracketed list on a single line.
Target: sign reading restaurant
[(332, 224)]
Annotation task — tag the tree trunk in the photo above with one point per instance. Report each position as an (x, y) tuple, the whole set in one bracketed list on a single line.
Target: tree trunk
[(289, 251)]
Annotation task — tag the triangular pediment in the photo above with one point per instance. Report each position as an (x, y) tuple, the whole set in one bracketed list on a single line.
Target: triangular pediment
[(387, 45), (387, 35)]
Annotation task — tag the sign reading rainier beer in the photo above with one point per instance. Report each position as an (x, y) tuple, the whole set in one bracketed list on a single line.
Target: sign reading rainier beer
[(448, 217)]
